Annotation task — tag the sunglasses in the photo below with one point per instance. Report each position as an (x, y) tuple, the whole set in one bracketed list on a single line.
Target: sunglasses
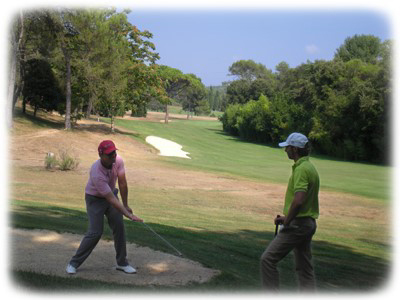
[(112, 154)]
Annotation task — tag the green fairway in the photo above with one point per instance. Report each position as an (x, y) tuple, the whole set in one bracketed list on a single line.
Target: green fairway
[(213, 150)]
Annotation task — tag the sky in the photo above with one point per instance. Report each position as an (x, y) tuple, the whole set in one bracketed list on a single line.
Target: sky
[(207, 42)]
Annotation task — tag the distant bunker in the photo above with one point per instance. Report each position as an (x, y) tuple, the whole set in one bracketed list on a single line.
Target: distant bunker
[(167, 147)]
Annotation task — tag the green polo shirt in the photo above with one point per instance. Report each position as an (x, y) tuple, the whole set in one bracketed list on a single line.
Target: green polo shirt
[(304, 178)]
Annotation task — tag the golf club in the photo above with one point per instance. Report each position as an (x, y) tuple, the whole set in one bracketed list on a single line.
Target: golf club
[(165, 241)]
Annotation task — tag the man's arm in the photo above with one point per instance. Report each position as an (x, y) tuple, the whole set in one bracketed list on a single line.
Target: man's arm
[(118, 205), (299, 199), (123, 190)]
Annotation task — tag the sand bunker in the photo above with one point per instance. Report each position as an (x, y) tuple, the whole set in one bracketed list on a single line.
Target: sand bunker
[(48, 252), (167, 147)]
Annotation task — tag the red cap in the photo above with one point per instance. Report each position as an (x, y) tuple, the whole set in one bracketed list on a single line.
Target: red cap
[(106, 147)]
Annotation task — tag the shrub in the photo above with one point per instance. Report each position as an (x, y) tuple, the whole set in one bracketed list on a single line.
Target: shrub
[(67, 161), (229, 119), (251, 121), (50, 162)]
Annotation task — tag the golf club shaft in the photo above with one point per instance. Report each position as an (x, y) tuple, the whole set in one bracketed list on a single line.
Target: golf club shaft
[(151, 229)]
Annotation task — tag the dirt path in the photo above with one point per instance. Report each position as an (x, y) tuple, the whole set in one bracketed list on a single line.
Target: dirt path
[(48, 252)]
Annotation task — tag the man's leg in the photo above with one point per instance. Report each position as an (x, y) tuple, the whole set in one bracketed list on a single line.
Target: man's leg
[(116, 223), (277, 249), (95, 209), (304, 267), (287, 239), (303, 262)]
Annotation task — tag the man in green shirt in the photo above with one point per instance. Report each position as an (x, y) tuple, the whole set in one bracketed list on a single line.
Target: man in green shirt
[(299, 214)]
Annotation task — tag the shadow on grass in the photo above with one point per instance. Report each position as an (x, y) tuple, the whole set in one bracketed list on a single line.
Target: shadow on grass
[(236, 254), (48, 122), (39, 121), (103, 128), (314, 154)]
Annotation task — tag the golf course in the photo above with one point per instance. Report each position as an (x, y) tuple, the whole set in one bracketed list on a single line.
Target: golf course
[(217, 207)]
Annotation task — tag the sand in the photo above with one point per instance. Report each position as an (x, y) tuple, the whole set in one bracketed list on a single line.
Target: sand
[(167, 147), (48, 252)]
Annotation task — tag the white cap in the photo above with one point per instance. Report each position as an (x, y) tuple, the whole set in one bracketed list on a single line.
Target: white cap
[(295, 139)]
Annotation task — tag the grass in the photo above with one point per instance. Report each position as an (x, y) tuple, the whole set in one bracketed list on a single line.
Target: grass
[(213, 150), (234, 250), (219, 230)]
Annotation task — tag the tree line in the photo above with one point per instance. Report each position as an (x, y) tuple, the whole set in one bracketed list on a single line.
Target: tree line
[(94, 61), (91, 61), (342, 105)]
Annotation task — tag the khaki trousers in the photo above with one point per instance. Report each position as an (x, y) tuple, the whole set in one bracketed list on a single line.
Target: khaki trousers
[(296, 236)]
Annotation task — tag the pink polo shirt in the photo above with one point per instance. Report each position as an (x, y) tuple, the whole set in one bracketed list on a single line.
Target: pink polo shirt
[(102, 180)]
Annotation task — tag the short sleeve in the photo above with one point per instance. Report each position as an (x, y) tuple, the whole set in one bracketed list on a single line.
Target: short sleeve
[(120, 166), (300, 180)]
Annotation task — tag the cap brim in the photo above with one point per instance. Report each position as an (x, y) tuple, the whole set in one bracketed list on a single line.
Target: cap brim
[(110, 150), (283, 144)]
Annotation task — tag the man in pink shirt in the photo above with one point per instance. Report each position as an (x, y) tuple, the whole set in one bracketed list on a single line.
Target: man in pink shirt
[(101, 199)]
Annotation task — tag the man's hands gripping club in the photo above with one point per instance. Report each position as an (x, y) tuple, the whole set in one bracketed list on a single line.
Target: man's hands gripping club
[(124, 209), (279, 220), (299, 199)]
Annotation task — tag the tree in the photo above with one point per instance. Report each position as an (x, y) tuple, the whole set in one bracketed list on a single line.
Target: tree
[(249, 70), (141, 48), (238, 92), (41, 89), (364, 47), (115, 64), (210, 96), (17, 34), (342, 105), (283, 72), (44, 29), (217, 99), (66, 33), (174, 81), (30, 38), (92, 25), (192, 96), (202, 107), (254, 79), (145, 85), (144, 80), (265, 86)]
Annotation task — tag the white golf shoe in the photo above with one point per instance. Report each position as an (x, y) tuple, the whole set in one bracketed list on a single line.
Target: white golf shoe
[(127, 269), (70, 269)]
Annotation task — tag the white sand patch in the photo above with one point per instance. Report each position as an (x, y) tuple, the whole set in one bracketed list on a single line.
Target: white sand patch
[(167, 147)]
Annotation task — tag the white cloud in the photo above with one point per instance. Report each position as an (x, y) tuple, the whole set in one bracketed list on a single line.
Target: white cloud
[(312, 49)]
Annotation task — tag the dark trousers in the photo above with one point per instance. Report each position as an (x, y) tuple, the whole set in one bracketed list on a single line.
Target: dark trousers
[(296, 236), (96, 209)]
